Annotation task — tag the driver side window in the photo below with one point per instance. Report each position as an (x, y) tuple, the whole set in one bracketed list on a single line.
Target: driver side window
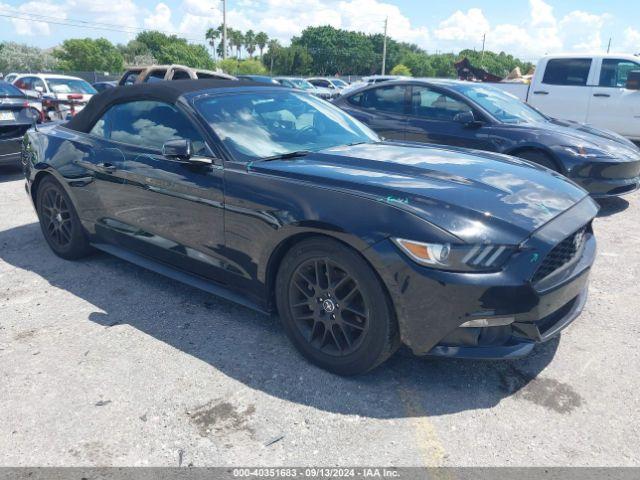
[(147, 124), (433, 105)]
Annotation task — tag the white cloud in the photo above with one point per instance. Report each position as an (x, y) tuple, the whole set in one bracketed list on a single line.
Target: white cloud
[(160, 19), (30, 27), (631, 41), (463, 27), (542, 32)]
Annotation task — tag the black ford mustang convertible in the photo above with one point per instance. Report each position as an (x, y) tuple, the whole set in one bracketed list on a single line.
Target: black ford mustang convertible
[(278, 200)]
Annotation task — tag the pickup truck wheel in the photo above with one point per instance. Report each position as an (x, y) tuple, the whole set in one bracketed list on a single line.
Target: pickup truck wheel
[(334, 308), (540, 158), (59, 221)]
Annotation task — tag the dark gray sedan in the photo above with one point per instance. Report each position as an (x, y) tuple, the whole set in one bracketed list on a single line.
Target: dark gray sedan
[(16, 116), (473, 115)]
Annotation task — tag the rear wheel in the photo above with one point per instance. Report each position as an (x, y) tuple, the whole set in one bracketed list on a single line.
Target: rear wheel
[(334, 308), (540, 158), (59, 221)]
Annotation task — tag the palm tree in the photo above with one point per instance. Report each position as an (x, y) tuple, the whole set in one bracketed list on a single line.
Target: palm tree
[(237, 40), (212, 35), (273, 46), (262, 39), (250, 42)]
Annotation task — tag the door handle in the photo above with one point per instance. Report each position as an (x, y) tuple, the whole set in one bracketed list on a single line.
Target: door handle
[(603, 95), (541, 92), (106, 167)]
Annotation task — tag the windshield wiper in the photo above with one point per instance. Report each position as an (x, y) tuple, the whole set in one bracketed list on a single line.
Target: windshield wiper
[(285, 156)]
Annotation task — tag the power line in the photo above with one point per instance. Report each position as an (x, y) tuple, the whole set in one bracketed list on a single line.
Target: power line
[(87, 24)]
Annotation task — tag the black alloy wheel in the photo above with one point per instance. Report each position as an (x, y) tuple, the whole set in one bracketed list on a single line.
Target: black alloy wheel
[(59, 222), (56, 218), (334, 307), (328, 307)]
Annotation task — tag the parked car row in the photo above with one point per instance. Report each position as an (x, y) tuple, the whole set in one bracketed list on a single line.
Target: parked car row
[(274, 198)]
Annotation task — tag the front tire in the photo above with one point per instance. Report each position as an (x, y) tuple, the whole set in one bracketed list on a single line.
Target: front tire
[(59, 221), (334, 308)]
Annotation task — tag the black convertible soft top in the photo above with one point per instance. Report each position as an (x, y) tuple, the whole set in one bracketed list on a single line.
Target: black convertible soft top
[(165, 91)]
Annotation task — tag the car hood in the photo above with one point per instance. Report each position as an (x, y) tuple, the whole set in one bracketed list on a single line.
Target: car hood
[(476, 196), (573, 133)]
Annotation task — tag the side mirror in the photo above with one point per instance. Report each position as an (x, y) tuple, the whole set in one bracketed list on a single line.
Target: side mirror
[(467, 119), (178, 149), (181, 150), (633, 80)]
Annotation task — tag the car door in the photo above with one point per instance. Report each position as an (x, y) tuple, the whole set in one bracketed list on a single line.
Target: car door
[(162, 208), (613, 106), (564, 91), (433, 119), (384, 109)]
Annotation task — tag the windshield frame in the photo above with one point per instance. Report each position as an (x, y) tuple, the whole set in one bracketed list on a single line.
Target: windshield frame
[(219, 144), (462, 89)]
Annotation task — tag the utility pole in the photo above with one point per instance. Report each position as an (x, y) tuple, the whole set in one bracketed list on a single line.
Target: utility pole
[(224, 29), (384, 47), (484, 39), (609, 47)]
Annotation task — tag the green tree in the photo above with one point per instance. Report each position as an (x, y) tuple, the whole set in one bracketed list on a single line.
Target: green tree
[(136, 53), (251, 67), (195, 56), (293, 60), (250, 42), (262, 39), (401, 69), (172, 49), (335, 51), (87, 54), (211, 36), (17, 57), (236, 38), (273, 45), (418, 63)]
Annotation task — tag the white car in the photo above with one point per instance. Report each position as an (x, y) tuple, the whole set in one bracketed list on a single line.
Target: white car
[(371, 80), (335, 84), (302, 84), (53, 87), (10, 77), (600, 89)]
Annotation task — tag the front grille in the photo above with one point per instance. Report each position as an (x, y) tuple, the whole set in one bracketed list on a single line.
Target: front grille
[(561, 254)]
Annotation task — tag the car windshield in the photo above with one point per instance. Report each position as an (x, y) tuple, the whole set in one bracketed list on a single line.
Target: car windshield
[(8, 90), (267, 124), (339, 83), (504, 107), (70, 85)]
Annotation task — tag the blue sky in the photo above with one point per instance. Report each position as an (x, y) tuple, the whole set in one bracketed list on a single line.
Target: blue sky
[(528, 28)]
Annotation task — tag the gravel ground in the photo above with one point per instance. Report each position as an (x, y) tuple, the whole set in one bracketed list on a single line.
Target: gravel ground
[(104, 363)]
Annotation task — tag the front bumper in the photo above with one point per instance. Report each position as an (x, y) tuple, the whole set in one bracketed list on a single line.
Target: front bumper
[(431, 305), (607, 179)]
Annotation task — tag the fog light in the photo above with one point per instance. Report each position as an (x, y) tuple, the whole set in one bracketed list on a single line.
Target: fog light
[(488, 322)]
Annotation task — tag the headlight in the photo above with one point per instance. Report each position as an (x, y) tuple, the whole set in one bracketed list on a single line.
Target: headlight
[(585, 152), (457, 258)]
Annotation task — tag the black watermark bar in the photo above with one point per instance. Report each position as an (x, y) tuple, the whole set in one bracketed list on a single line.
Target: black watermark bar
[(232, 473)]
